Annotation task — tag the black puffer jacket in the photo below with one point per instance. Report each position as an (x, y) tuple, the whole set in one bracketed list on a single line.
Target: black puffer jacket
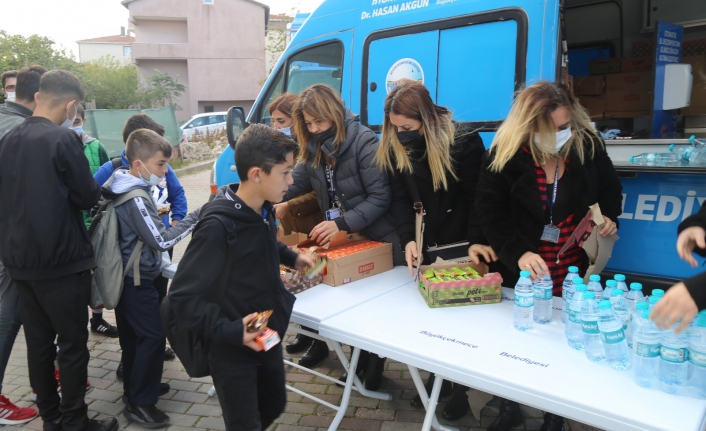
[(364, 191), (509, 206)]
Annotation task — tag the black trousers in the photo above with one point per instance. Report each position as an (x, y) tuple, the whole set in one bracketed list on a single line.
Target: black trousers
[(250, 390), (58, 309), (160, 283), (142, 339)]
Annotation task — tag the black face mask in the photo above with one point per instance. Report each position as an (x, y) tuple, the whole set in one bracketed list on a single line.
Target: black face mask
[(321, 137), (410, 138)]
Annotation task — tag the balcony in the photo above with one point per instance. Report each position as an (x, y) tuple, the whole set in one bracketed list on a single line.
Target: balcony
[(160, 51)]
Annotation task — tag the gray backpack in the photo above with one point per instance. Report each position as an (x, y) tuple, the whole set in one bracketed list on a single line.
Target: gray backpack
[(108, 277)]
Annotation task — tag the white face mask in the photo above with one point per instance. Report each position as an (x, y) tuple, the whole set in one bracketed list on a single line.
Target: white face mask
[(287, 131), (153, 180), (562, 137), (10, 96), (69, 122)]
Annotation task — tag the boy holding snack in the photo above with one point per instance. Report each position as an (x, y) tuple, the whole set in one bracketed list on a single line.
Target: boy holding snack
[(230, 273)]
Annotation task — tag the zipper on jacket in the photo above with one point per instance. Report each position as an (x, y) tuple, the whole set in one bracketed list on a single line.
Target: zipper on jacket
[(340, 195)]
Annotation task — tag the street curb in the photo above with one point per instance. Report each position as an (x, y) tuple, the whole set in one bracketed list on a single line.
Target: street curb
[(200, 166)]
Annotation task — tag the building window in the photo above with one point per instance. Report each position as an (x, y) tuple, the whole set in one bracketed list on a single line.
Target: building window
[(127, 50), (208, 108), (207, 1)]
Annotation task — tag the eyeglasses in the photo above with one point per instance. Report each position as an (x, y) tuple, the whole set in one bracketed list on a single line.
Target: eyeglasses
[(9, 87)]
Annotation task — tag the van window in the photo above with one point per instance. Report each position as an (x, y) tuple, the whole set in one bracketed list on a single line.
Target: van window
[(321, 64), (273, 92)]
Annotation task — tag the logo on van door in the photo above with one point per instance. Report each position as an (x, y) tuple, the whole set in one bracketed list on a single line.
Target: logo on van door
[(404, 68)]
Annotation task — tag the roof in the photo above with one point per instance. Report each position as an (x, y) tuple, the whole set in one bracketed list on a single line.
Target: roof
[(109, 39), (126, 2)]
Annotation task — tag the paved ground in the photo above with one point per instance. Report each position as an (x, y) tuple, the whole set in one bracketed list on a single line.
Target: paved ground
[(190, 408)]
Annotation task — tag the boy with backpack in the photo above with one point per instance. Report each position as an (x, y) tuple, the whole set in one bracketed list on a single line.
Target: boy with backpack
[(142, 337), (230, 272)]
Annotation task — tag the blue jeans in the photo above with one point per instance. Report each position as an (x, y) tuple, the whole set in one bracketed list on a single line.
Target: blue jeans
[(10, 321)]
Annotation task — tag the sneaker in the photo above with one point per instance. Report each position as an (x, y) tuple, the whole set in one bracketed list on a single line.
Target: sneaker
[(169, 354), (10, 414), (109, 424), (33, 395), (163, 389), (104, 328), (147, 416), (119, 371)]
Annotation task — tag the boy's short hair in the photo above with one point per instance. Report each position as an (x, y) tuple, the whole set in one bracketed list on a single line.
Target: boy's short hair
[(263, 147), (8, 74), (80, 110), (61, 84), (141, 121), (143, 144), (28, 80)]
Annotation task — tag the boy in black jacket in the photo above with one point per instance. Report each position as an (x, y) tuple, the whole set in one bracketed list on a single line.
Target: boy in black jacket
[(221, 285)]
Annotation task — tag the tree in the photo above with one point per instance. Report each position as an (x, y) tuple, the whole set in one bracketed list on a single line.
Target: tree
[(111, 83), (17, 51), (162, 90)]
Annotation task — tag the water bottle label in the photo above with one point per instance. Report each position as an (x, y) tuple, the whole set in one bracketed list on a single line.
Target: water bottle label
[(697, 358), (524, 301), (590, 327), (647, 350), (575, 316), (670, 354), (542, 293), (563, 293), (613, 337)]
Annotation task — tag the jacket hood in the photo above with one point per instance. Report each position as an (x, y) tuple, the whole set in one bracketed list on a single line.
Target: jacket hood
[(13, 108), (122, 181), (351, 124), (227, 203), (86, 139)]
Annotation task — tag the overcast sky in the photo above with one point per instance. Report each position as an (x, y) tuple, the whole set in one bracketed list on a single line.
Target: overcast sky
[(66, 22)]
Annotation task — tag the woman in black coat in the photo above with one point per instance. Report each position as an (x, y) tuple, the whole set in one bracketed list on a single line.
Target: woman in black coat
[(436, 163), (546, 136)]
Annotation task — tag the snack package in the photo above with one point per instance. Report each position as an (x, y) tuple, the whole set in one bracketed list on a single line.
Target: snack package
[(268, 339), (259, 322)]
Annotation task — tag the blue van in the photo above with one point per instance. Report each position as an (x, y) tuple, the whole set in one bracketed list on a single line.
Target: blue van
[(473, 55)]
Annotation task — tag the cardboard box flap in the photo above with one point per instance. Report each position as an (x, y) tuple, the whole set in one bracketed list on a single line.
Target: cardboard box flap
[(292, 239)]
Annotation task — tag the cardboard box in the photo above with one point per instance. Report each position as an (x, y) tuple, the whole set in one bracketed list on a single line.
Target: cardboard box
[(627, 114), (636, 81), (589, 85), (595, 105), (643, 48), (602, 66), (693, 47), (629, 92), (567, 79), (698, 89), (638, 64), (487, 290), (293, 239)]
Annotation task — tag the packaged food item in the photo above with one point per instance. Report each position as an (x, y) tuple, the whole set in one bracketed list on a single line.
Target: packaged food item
[(319, 267), (259, 322), (268, 339)]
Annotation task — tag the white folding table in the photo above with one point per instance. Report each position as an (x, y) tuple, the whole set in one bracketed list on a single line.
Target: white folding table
[(478, 346)]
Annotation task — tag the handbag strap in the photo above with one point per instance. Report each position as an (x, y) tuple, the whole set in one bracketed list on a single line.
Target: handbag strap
[(414, 192)]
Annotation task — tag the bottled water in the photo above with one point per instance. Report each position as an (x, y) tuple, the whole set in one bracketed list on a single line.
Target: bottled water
[(647, 338), (697, 356), (693, 154), (543, 294), (633, 296), (620, 279), (674, 364), (609, 286), (594, 285), (658, 159), (652, 301), (699, 144), (577, 281), (639, 308), (574, 330), (657, 292), (565, 288), (618, 304), (615, 347), (589, 324), (524, 302)]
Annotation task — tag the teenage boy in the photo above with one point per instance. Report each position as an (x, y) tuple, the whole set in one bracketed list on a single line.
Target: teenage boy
[(221, 285), (43, 172), (24, 85), (9, 82), (142, 337)]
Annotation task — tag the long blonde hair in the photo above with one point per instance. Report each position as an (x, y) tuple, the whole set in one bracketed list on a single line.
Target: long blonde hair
[(411, 99), (530, 114), (321, 102)]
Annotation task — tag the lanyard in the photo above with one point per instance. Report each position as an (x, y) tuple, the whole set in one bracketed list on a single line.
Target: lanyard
[(550, 204)]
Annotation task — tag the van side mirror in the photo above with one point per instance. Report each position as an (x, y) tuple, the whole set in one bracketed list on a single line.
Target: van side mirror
[(235, 124)]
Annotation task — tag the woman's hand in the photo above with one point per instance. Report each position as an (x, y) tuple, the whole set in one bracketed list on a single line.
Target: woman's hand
[(676, 304), (688, 239), (304, 261), (533, 263), (249, 337), (609, 228), (485, 250), (323, 232), (411, 255), (281, 210)]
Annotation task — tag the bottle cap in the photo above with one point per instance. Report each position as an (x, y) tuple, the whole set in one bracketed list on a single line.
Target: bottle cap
[(632, 159), (581, 288), (574, 269), (642, 305), (671, 147), (691, 139), (619, 277), (646, 314), (611, 283), (635, 286), (589, 295), (577, 281), (524, 273), (653, 299), (701, 322), (657, 292), (616, 292), (595, 277), (604, 304)]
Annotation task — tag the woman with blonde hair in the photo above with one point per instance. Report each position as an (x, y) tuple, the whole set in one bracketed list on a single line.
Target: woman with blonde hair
[(336, 161), (436, 162), (546, 166)]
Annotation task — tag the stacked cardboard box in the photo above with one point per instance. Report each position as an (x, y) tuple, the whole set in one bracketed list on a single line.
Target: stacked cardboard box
[(591, 93), (698, 90), (629, 95)]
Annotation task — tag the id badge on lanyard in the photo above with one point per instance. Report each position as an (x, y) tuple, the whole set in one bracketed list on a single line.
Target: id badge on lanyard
[(551, 232)]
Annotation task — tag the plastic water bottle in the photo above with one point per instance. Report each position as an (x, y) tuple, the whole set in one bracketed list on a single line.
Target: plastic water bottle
[(609, 286), (620, 307), (639, 308), (620, 279), (697, 356), (657, 159), (574, 330), (577, 281), (674, 361), (594, 285), (589, 324), (524, 302), (652, 301), (647, 338), (699, 144), (543, 294), (565, 288), (657, 292), (633, 296), (615, 347)]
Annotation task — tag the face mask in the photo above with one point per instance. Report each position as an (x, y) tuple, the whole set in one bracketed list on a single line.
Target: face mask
[(287, 131), (78, 130), (153, 180), (10, 96), (562, 137), (68, 122), (324, 136), (409, 138)]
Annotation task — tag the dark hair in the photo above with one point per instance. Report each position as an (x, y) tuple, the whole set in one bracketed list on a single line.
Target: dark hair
[(80, 110), (60, 84), (28, 79), (8, 74), (283, 104), (261, 147), (143, 144), (141, 121)]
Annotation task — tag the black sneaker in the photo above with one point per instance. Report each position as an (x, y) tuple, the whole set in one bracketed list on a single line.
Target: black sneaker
[(104, 328), (163, 389), (119, 371), (147, 416), (109, 424), (169, 354)]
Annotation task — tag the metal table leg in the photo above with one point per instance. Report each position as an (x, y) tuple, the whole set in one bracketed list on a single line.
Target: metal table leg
[(429, 402)]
